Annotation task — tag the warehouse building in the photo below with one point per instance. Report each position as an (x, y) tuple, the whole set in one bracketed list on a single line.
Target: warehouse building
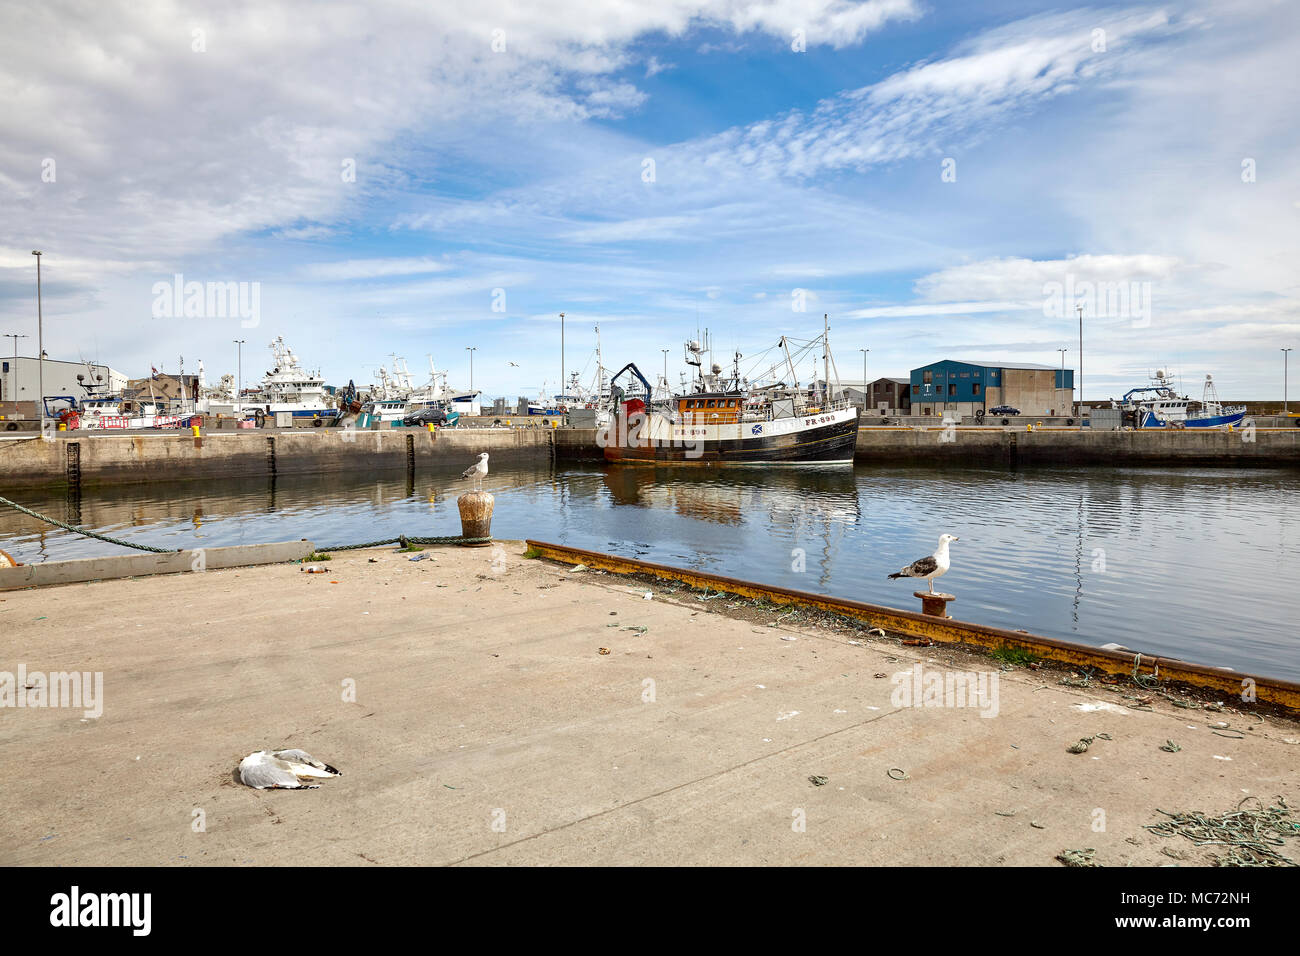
[(975, 388), (889, 396), (881, 396), (19, 377)]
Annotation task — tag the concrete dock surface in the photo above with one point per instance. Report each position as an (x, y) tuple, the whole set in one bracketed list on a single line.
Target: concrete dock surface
[(465, 698)]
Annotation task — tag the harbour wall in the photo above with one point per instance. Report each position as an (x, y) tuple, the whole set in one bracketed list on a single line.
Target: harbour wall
[(86, 461), (1257, 447), (82, 461)]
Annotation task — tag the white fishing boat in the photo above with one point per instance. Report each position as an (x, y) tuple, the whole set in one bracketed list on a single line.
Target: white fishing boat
[(287, 387), (385, 410), (1159, 405)]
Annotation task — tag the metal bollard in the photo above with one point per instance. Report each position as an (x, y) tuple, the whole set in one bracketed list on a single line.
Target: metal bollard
[(936, 604), (476, 516)]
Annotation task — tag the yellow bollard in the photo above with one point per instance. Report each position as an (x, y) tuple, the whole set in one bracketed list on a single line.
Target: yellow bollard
[(194, 430), (430, 426), (1029, 428), (63, 426)]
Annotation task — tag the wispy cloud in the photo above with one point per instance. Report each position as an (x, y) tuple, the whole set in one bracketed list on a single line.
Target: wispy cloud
[(349, 269)]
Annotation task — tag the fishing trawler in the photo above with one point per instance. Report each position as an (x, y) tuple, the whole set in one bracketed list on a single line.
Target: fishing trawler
[(1159, 405), (731, 421), (289, 388)]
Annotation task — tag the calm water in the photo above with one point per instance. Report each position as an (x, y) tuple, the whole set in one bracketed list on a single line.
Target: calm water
[(1197, 564)]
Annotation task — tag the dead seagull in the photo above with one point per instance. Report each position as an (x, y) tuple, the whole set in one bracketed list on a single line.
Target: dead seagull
[(930, 567), (477, 471), (283, 770)]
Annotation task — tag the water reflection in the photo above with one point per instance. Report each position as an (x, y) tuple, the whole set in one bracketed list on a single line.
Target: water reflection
[(1156, 560)]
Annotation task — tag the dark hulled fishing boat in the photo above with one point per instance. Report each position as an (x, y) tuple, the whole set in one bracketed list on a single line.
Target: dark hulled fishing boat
[(723, 422)]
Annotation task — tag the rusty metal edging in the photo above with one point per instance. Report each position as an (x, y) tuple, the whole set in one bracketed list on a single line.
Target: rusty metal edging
[(945, 630)]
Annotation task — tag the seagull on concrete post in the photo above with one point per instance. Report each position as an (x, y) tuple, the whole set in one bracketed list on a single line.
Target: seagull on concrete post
[(477, 471), (930, 567)]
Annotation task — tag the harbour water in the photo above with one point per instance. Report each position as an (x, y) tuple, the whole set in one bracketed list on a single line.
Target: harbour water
[(1200, 564)]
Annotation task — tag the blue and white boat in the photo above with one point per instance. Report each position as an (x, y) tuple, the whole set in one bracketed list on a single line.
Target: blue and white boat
[(289, 388), (1159, 405)]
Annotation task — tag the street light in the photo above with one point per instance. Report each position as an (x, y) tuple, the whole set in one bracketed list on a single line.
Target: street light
[(864, 379), (666, 388), (239, 385), (15, 336), (471, 349), (1080, 310), (562, 389), (40, 342), (1286, 406)]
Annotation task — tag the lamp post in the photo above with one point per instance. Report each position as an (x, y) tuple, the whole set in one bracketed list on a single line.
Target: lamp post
[(471, 349), (40, 342), (561, 353), (239, 381), (1080, 310), (865, 395), (666, 388), (1286, 405)]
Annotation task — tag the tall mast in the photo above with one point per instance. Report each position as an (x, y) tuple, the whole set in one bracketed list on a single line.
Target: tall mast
[(826, 355)]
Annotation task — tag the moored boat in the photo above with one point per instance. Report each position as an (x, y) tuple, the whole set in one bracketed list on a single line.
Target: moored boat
[(728, 422), (1159, 405)]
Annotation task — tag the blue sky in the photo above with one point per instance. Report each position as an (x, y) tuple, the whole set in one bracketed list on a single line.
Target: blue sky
[(929, 174)]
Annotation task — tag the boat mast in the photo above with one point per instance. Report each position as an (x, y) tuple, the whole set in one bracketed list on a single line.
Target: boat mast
[(794, 376), (826, 358)]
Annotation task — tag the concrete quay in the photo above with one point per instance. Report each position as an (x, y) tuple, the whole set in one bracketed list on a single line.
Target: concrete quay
[(476, 719)]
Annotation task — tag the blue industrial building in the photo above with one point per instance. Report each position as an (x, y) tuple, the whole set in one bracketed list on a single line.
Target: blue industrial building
[(967, 388)]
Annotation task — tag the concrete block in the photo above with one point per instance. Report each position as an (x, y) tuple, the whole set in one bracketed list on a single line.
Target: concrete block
[(50, 573)]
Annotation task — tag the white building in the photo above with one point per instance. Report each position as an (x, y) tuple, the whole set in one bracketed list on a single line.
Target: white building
[(19, 378)]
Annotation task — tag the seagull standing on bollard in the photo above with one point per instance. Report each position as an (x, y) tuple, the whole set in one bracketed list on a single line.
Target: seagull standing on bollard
[(930, 567), (478, 471)]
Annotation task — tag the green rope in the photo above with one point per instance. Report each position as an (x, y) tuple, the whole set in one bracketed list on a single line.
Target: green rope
[(1142, 680), (1249, 835), (403, 540), (1083, 857), (89, 534)]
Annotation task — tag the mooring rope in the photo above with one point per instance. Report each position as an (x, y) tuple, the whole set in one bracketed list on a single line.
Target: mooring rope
[(89, 534), (403, 540)]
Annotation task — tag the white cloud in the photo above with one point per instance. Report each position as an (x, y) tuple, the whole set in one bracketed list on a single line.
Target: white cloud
[(633, 230), (371, 268), (1023, 279)]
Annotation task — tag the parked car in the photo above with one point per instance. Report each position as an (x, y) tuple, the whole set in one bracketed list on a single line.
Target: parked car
[(426, 416), (1004, 410)]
